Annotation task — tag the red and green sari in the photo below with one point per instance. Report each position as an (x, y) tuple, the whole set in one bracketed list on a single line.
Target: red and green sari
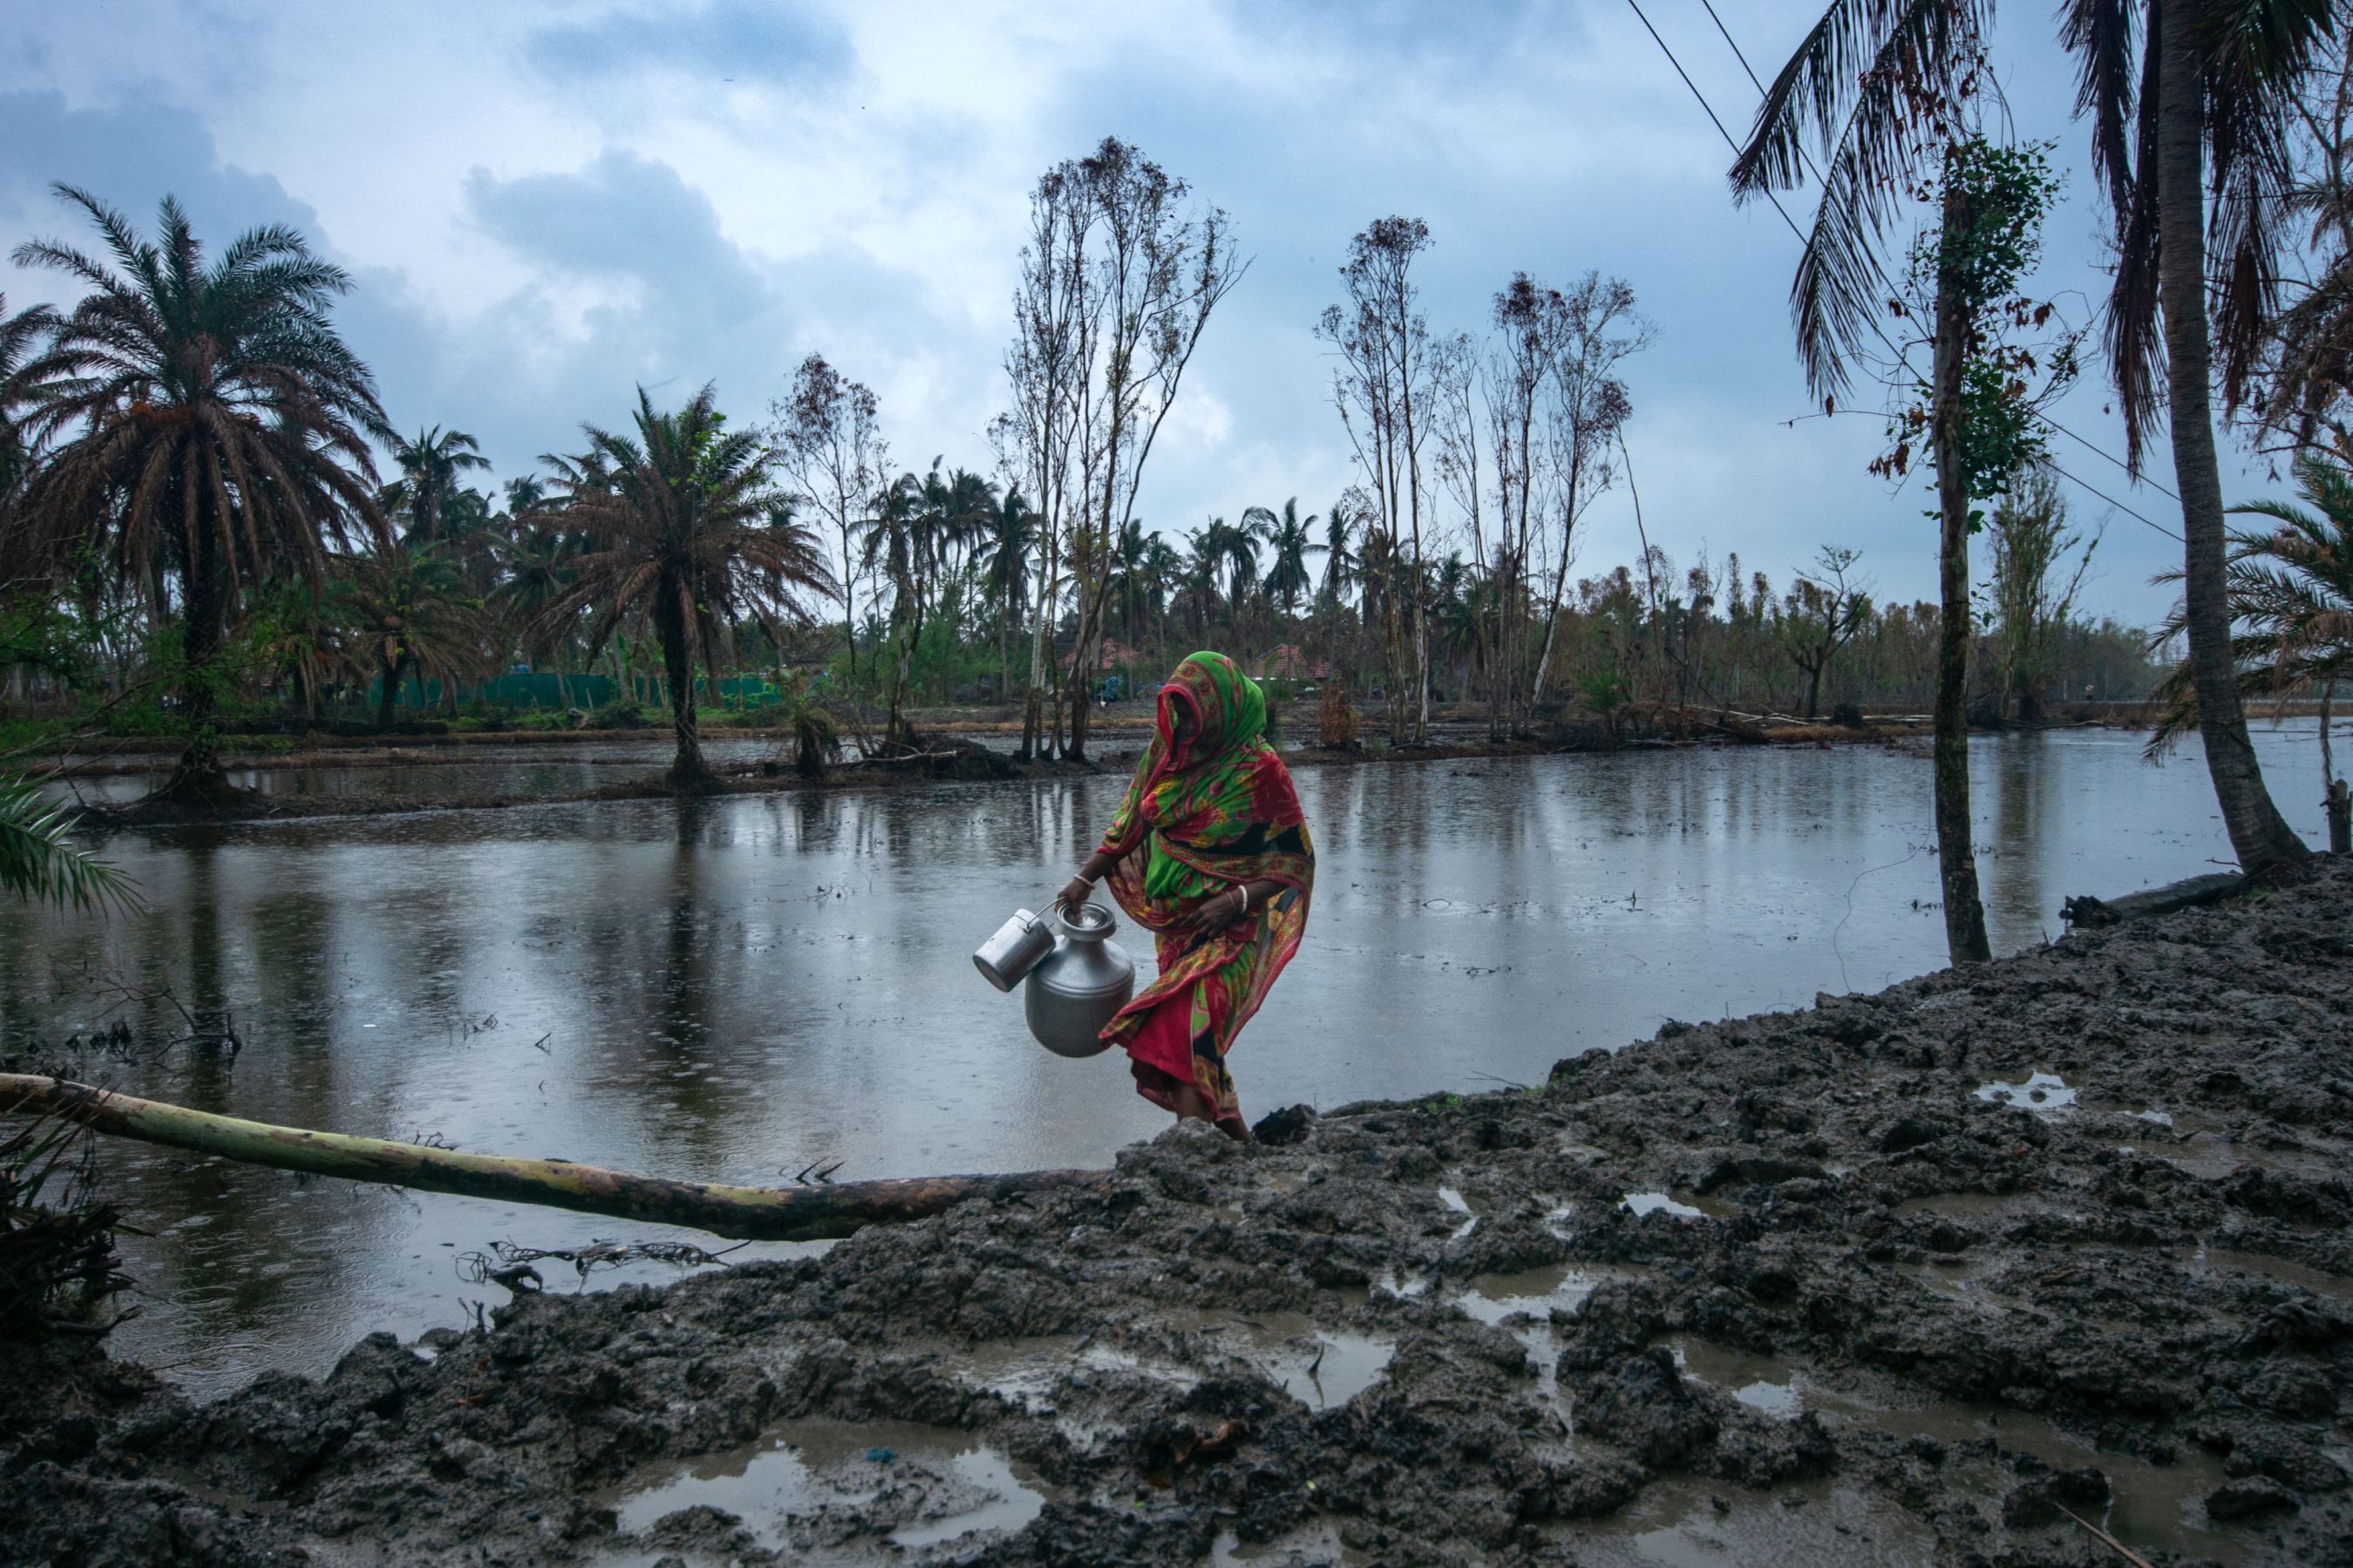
[(1214, 812)]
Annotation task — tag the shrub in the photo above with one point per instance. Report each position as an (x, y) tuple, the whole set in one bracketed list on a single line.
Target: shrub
[(1335, 718)]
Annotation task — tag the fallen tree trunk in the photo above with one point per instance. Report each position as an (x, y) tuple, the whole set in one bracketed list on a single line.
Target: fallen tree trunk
[(2189, 893), (753, 1214)]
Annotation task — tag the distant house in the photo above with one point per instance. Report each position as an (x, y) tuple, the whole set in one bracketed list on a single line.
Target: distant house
[(1288, 662)]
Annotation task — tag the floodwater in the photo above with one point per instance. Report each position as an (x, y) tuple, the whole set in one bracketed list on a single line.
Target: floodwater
[(734, 990)]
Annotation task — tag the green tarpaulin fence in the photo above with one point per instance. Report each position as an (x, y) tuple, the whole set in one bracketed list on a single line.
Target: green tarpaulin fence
[(572, 691)]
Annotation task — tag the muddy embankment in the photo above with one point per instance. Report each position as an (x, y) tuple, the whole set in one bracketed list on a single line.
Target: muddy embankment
[(950, 756), (1926, 1276)]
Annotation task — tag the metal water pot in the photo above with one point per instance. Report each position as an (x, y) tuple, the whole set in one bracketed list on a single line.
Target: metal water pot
[(1013, 950), (1077, 989)]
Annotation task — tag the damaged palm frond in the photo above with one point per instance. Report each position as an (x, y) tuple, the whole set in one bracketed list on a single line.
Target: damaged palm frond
[(39, 862), (57, 1240), (1876, 83)]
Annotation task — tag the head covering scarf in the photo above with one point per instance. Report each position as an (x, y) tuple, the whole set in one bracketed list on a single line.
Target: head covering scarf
[(1209, 810)]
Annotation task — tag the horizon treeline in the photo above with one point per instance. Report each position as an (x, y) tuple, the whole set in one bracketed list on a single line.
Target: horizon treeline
[(205, 546)]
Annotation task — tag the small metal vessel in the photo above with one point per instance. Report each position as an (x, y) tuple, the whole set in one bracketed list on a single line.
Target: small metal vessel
[(1078, 988), (1013, 951)]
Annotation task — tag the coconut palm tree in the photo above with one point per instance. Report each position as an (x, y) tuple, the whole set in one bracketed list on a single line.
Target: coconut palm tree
[(1290, 540), (684, 539), (213, 431), (1339, 561), (1010, 534), (409, 612), (2187, 97), (426, 501)]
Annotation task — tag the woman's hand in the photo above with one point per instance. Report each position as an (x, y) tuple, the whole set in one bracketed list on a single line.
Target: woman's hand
[(1077, 891), (1222, 910)]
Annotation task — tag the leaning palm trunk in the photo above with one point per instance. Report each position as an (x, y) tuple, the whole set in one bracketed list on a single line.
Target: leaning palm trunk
[(1957, 862), (2261, 836)]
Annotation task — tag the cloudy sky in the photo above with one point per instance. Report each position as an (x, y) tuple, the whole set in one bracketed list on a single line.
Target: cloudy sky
[(545, 204)]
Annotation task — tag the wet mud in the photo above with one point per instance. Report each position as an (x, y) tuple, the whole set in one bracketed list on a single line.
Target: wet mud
[(1960, 1272)]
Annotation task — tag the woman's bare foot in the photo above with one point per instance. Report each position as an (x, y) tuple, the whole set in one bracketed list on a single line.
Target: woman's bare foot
[(1192, 1105)]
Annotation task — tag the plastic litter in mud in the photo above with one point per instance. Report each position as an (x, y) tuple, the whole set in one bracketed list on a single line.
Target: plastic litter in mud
[(1642, 1203), (2040, 1091), (1461, 1206)]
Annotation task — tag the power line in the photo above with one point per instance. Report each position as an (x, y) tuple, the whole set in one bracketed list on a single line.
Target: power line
[(2113, 501), (1876, 329)]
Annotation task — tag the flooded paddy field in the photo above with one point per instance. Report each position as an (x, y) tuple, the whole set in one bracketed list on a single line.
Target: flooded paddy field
[(738, 990), (1790, 1288)]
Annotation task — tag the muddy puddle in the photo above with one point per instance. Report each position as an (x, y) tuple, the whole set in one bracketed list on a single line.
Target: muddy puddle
[(1683, 1525), (2148, 1504), (1536, 1292), (820, 1491)]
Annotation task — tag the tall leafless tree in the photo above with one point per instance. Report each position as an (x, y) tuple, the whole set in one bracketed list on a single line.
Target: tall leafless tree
[(1118, 283), (830, 444), (1381, 387), (1588, 332)]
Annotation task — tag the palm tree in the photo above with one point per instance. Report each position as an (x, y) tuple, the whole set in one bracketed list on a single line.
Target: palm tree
[(1290, 541), (1010, 534), (2202, 77), (220, 431), (19, 333), (1339, 562), (427, 493), (410, 612), (526, 498), (2292, 598), (1235, 550), (684, 539), (1130, 587), (1204, 555), (537, 567)]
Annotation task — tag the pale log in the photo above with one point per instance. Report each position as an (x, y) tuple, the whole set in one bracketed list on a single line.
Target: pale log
[(753, 1214)]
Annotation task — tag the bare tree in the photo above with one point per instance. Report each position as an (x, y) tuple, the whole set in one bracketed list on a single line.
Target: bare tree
[(1459, 402), (830, 444), (1384, 373), (1047, 362), (1821, 615), (2029, 545), (1118, 282), (1518, 370), (1158, 272), (1587, 333)]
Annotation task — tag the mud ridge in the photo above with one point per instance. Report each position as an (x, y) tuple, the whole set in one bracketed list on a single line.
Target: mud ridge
[(1925, 1276)]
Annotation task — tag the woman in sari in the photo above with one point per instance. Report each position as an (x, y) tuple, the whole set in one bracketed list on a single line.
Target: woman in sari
[(1208, 852)]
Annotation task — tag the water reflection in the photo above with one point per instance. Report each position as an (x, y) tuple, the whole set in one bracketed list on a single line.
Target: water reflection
[(732, 989)]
